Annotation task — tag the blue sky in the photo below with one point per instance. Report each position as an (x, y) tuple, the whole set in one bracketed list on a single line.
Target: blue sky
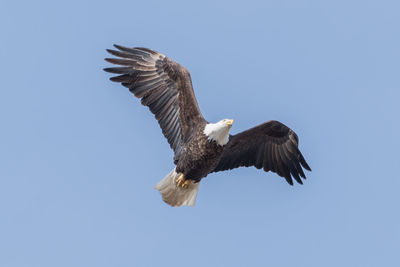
[(80, 156)]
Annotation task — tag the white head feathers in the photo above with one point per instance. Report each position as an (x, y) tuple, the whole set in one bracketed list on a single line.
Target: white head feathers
[(218, 132)]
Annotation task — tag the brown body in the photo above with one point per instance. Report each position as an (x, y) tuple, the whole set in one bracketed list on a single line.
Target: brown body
[(199, 157)]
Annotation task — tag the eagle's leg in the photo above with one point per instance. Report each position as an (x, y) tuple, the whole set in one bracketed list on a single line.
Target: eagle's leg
[(182, 182)]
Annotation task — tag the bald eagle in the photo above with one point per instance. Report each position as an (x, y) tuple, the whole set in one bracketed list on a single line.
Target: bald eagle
[(200, 147)]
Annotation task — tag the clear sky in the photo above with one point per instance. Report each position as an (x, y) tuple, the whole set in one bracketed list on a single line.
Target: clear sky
[(79, 155)]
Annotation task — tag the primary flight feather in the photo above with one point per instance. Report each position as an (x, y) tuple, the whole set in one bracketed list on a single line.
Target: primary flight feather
[(200, 147)]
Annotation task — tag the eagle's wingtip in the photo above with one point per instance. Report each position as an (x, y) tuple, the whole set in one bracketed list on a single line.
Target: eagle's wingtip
[(119, 47)]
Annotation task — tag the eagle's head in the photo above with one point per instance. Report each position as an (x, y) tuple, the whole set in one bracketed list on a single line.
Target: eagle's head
[(219, 132)]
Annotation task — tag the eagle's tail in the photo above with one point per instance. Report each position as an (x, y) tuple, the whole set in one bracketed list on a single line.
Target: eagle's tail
[(174, 195)]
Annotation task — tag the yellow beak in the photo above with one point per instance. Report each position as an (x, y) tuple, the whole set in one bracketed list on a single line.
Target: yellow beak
[(229, 122)]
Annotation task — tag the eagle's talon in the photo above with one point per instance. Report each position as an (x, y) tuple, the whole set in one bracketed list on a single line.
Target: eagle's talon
[(186, 183), (180, 180)]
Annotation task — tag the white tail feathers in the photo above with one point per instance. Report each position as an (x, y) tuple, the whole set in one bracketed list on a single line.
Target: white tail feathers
[(174, 195)]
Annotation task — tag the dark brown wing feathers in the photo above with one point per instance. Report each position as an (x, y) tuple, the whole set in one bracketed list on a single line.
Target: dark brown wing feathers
[(166, 88), (271, 146), (163, 85)]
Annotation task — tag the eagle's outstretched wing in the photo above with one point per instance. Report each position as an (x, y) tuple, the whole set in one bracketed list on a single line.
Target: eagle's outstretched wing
[(271, 146), (163, 85)]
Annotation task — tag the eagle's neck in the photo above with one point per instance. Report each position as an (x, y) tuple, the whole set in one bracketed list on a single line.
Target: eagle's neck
[(217, 132)]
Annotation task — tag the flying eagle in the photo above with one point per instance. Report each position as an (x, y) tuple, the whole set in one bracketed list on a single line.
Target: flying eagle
[(200, 147)]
